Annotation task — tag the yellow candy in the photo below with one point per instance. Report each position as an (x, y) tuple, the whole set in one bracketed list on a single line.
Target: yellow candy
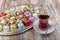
[(7, 19), (22, 10), (18, 9), (12, 17), (7, 11)]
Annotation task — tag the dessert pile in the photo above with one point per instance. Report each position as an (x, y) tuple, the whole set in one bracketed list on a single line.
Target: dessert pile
[(18, 17)]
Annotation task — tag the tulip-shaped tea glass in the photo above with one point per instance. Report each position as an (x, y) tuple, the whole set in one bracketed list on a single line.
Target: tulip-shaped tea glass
[(43, 21)]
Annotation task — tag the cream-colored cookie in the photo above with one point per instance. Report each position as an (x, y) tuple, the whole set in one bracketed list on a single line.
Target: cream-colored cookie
[(1, 27), (13, 27)]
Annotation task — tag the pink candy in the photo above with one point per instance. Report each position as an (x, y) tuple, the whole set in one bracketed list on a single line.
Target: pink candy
[(31, 18)]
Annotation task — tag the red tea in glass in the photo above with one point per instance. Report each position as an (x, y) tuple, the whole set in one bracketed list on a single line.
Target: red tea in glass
[(43, 22)]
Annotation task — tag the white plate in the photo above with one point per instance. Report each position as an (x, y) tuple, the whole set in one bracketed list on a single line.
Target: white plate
[(47, 31)]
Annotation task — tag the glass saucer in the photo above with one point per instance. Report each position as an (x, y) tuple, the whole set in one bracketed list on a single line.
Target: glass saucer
[(47, 31)]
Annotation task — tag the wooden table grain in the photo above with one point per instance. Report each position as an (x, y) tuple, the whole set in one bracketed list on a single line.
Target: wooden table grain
[(32, 35)]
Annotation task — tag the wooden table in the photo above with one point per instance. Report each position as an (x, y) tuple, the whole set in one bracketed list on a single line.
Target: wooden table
[(32, 35)]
